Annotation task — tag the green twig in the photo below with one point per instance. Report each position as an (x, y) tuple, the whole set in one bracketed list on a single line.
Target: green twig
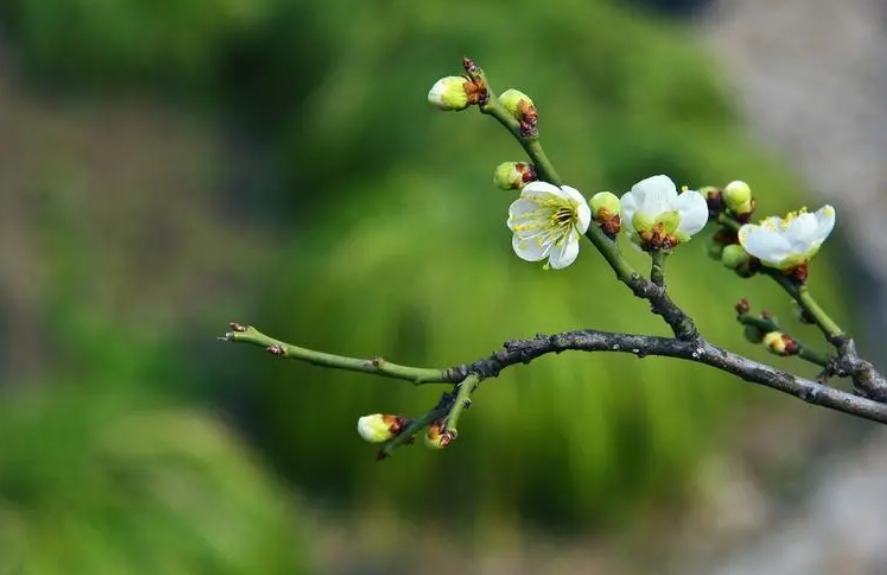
[(466, 388), (531, 144), (657, 269), (801, 294), (768, 324), (415, 375)]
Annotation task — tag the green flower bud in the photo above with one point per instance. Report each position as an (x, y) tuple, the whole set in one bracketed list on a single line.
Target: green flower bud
[(734, 256), (738, 198), (380, 427), (606, 211), (753, 334), (606, 202), (780, 344), (513, 175), (450, 93), (437, 438), (516, 102)]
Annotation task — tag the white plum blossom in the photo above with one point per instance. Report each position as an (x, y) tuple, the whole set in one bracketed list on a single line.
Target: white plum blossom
[(657, 217), (790, 242), (548, 222)]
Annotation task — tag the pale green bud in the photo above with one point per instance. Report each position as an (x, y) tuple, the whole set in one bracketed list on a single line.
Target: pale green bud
[(380, 427), (606, 211), (437, 438), (606, 204), (516, 102), (513, 175), (450, 93), (738, 198), (734, 256), (780, 344)]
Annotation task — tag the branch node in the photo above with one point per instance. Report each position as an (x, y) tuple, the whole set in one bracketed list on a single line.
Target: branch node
[(236, 327), (276, 350)]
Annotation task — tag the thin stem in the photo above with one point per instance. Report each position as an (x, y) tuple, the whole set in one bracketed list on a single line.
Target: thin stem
[(801, 294), (531, 145), (696, 350), (415, 375), (822, 319), (466, 388), (610, 250), (657, 269)]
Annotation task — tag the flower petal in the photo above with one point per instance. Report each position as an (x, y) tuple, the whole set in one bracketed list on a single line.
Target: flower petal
[(768, 245), (800, 231), (629, 204), (564, 254), (655, 195), (530, 249), (573, 194), (825, 218), (540, 190), (694, 212), (520, 215)]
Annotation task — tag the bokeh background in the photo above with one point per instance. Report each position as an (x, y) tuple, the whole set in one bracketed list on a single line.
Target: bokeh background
[(167, 166)]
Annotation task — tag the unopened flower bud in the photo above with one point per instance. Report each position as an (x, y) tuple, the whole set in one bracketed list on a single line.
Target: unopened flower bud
[(779, 343), (451, 93), (734, 256), (753, 334), (513, 175), (606, 210), (380, 427), (738, 198), (437, 438), (517, 103)]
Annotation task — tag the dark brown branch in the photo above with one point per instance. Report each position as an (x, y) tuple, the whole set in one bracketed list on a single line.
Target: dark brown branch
[(699, 351)]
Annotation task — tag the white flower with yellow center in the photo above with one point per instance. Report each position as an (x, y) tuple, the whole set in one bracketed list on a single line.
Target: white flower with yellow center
[(789, 242), (656, 217), (548, 222)]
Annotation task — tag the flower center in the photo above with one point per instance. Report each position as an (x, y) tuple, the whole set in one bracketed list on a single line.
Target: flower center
[(550, 223), (792, 216), (771, 225), (562, 216)]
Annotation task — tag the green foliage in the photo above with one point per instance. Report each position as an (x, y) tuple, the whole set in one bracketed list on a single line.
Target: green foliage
[(109, 484), (102, 41)]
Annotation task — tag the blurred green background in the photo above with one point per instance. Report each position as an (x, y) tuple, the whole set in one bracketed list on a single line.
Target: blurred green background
[(167, 166)]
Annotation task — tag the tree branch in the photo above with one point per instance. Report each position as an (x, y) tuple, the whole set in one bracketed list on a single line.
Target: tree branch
[(526, 350)]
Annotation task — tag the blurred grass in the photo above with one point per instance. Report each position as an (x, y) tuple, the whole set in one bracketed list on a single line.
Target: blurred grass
[(103, 482), (395, 242)]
